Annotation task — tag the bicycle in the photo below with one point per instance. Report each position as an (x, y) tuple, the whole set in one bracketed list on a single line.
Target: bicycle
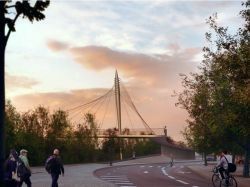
[(219, 182)]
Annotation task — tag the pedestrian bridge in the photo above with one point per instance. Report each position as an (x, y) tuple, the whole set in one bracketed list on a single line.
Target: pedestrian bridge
[(123, 106), (118, 105)]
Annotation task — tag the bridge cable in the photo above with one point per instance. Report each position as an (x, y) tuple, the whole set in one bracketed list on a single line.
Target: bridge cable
[(90, 101), (78, 109), (124, 104), (135, 109), (107, 106), (97, 104)]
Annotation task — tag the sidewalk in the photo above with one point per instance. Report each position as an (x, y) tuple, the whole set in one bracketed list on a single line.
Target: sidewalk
[(206, 172), (78, 175), (82, 175)]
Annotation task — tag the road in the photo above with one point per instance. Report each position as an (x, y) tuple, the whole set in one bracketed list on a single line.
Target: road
[(150, 175)]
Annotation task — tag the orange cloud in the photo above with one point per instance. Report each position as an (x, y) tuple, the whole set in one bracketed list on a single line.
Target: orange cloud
[(13, 82), (150, 70), (55, 100), (57, 45)]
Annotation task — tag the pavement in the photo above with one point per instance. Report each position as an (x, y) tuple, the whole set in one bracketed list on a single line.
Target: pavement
[(206, 172), (82, 175), (77, 175)]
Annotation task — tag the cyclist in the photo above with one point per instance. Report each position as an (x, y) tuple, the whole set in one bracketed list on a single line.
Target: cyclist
[(223, 164)]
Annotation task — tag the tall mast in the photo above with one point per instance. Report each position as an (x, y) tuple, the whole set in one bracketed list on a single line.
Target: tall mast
[(118, 101), (118, 107)]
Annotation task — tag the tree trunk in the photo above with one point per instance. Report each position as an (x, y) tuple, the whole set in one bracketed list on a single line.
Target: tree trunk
[(246, 162), (233, 158), (205, 159), (215, 157), (2, 90)]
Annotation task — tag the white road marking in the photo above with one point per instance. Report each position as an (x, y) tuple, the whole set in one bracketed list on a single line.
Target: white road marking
[(195, 186), (183, 172), (142, 166), (113, 176), (151, 166), (171, 177), (120, 180), (183, 182), (117, 180), (124, 183), (145, 172), (164, 171)]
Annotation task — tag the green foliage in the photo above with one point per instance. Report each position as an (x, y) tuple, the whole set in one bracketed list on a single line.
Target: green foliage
[(40, 131), (32, 12), (23, 8), (217, 99)]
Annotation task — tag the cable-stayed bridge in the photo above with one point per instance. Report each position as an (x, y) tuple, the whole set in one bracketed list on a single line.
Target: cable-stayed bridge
[(117, 109)]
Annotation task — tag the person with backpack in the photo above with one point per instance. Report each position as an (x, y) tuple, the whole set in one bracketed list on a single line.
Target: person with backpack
[(54, 166), (24, 169), (10, 167), (225, 165)]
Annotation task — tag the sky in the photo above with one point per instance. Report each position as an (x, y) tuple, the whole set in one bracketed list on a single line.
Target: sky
[(71, 57)]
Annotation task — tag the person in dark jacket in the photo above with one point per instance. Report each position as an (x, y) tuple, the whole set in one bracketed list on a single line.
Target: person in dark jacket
[(56, 168), (10, 169)]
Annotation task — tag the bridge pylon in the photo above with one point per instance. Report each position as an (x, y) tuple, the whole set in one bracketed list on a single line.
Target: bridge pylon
[(118, 106)]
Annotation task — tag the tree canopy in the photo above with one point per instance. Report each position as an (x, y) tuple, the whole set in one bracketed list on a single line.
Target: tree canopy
[(218, 97), (7, 23)]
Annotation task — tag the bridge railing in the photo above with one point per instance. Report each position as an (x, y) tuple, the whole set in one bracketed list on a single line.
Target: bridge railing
[(156, 131)]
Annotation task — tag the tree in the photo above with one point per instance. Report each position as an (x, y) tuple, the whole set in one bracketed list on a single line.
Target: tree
[(217, 99), (196, 100), (12, 119), (32, 13)]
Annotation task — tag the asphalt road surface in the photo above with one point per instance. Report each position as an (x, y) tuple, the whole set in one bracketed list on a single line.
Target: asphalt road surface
[(153, 175)]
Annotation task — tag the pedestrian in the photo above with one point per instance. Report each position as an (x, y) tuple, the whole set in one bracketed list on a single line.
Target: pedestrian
[(26, 171), (10, 167), (165, 131), (55, 167), (172, 160)]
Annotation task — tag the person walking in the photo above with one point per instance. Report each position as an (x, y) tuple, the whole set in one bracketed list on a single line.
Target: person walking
[(26, 169), (10, 167), (55, 167)]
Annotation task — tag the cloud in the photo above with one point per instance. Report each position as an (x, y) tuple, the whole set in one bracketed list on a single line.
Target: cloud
[(151, 70), (56, 45), (55, 100), (14, 82)]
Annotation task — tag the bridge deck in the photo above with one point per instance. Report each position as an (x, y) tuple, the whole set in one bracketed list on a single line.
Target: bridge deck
[(130, 136)]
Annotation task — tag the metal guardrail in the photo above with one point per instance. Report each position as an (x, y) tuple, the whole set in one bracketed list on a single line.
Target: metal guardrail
[(130, 136), (157, 132)]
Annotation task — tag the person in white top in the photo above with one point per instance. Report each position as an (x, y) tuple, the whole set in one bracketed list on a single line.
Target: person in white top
[(223, 163)]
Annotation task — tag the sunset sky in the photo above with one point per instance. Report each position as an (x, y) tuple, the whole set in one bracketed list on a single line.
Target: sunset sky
[(71, 57)]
